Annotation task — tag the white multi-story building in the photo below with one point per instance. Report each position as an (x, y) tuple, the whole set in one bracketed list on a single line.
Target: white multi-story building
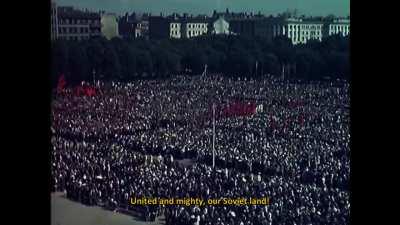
[(339, 26), (187, 27), (195, 28), (175, 30), (299, 31), (76, 24), (54, 21)]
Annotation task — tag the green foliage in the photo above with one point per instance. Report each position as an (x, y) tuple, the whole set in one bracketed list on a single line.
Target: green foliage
[(78, 64), (119, 59)]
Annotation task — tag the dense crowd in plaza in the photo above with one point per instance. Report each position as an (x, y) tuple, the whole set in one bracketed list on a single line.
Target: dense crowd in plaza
[(129, 137)]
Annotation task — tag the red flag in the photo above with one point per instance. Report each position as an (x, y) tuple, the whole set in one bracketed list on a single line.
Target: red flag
[(85, 90), (239, 109), (61, 83), (90, 91)]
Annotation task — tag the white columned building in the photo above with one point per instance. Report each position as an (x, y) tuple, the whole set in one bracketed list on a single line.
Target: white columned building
[(339, 26)]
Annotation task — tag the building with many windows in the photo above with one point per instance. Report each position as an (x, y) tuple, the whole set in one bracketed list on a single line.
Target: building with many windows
[(300, 32), (338, 26), (175, 29), (178, 27), (76, 24), (193, 27), (54, 21)]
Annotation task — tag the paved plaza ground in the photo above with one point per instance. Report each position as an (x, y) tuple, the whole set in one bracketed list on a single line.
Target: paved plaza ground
[(67, 212)]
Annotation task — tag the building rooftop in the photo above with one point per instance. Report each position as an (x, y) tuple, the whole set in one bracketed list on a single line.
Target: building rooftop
[(67, 11), (342, 21), (188, 19)]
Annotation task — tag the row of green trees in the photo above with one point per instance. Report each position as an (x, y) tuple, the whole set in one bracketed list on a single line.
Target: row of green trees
[(125, 60)]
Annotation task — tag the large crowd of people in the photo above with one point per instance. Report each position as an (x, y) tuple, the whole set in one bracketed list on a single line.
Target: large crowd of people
[(127, 139)]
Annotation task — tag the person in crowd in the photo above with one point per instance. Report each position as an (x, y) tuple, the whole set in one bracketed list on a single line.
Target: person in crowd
[(129, 140)]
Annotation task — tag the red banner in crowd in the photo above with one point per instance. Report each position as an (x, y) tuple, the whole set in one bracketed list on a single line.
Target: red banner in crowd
[(85, 90), (61, 84), (239, 109)]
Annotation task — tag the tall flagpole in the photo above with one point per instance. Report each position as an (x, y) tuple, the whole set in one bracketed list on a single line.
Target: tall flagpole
[(256, 66), (213, 140), (94, 77)]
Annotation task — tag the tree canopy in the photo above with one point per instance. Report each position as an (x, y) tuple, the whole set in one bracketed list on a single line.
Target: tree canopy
[(120, 59)]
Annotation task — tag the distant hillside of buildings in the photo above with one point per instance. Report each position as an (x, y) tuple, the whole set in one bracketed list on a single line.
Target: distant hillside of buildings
[(72, 24)]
